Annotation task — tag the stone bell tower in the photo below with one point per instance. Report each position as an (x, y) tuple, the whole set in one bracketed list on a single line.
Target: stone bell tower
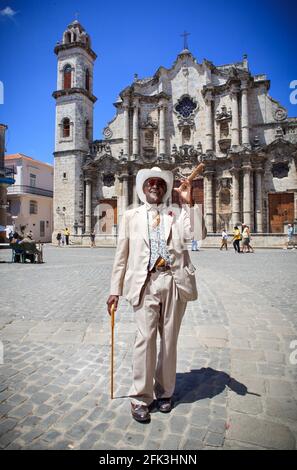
[(74, 125)]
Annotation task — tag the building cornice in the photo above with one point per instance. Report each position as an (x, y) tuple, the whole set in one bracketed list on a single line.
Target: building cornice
[(65, 47), (72, 91)]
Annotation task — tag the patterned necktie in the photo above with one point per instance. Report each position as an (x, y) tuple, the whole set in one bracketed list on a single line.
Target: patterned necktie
[(156, 220)]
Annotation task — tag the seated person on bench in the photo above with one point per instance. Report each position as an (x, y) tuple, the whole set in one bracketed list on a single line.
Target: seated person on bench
[(29, 246)]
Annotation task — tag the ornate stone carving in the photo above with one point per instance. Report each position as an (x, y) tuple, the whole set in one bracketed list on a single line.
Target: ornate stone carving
[(280, 114), (224, 115), (208, 156), (107, 132), (256, 142), (225, 183), (225, 145), (99, 148), (186, 153), (279, 133), (149, 123), (199, 148)]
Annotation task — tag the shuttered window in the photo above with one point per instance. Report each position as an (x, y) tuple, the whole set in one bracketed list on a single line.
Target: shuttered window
[(67, 76)]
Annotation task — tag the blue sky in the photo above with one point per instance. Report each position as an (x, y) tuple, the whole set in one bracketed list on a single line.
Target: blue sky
[(131, 37)]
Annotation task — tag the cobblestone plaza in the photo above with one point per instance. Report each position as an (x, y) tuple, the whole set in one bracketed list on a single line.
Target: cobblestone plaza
[(236, 376)]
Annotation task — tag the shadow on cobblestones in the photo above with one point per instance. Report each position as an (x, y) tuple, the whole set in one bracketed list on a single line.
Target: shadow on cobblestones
[(199, 384)]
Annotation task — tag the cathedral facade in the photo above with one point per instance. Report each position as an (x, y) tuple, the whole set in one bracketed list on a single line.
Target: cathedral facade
[(192, 112)]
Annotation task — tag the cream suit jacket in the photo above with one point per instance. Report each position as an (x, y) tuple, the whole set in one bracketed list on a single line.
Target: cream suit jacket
[(132, 256)]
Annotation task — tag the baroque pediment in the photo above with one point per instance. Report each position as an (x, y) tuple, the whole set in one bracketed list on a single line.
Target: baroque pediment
[(280, 149), (104, 163)]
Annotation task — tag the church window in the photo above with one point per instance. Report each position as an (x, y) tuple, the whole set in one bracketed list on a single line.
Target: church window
[(66, 127), (67, 76), (68, 38), (186, 106), (74, 37), (280, 170), (87, 80)]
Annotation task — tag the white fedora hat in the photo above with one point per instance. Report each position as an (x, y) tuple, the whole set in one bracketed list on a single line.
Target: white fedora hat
[(154, 172)]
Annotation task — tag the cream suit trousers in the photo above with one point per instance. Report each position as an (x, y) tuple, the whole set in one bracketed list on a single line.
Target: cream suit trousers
[(160, 309)]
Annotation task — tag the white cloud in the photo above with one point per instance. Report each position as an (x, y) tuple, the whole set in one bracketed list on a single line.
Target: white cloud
[(7, 11)]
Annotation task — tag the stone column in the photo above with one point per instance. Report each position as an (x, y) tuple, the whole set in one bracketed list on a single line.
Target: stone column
[(208, 120), (259, 200), (135, 150), (209, 213), (162, 129), (88, 205), (245, 115), (135, 196), (235, 116), (235, 197), (125, 192), (126, 128), (247, 200)]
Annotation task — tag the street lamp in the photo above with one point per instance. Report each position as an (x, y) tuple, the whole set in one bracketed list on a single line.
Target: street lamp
[(75, 226), (14, 217)]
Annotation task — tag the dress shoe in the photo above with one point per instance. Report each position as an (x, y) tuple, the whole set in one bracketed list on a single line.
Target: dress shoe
[(140, 413), (165, 405)]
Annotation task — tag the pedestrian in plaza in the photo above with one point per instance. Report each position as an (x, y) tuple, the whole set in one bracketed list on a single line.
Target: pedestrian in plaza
[(224, 243), (59, 238), (67, 234), (245, 238), (16, 239), (236, 239), (152, 268), (194, 245), (249, 246), (92, 237), (290, 232)]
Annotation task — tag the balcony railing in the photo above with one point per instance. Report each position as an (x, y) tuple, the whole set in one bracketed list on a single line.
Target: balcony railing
[(22, 189)]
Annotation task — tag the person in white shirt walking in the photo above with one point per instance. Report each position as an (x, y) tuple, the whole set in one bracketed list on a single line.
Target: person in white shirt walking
[(224, 243)]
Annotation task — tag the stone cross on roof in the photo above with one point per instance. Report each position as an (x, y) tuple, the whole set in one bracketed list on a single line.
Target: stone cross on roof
[(185, 34)]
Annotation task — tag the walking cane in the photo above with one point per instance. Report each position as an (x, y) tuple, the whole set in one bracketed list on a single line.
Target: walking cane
[(112, 349)]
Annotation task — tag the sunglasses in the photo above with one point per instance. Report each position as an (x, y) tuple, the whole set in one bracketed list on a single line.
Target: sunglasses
[(155, 182)]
